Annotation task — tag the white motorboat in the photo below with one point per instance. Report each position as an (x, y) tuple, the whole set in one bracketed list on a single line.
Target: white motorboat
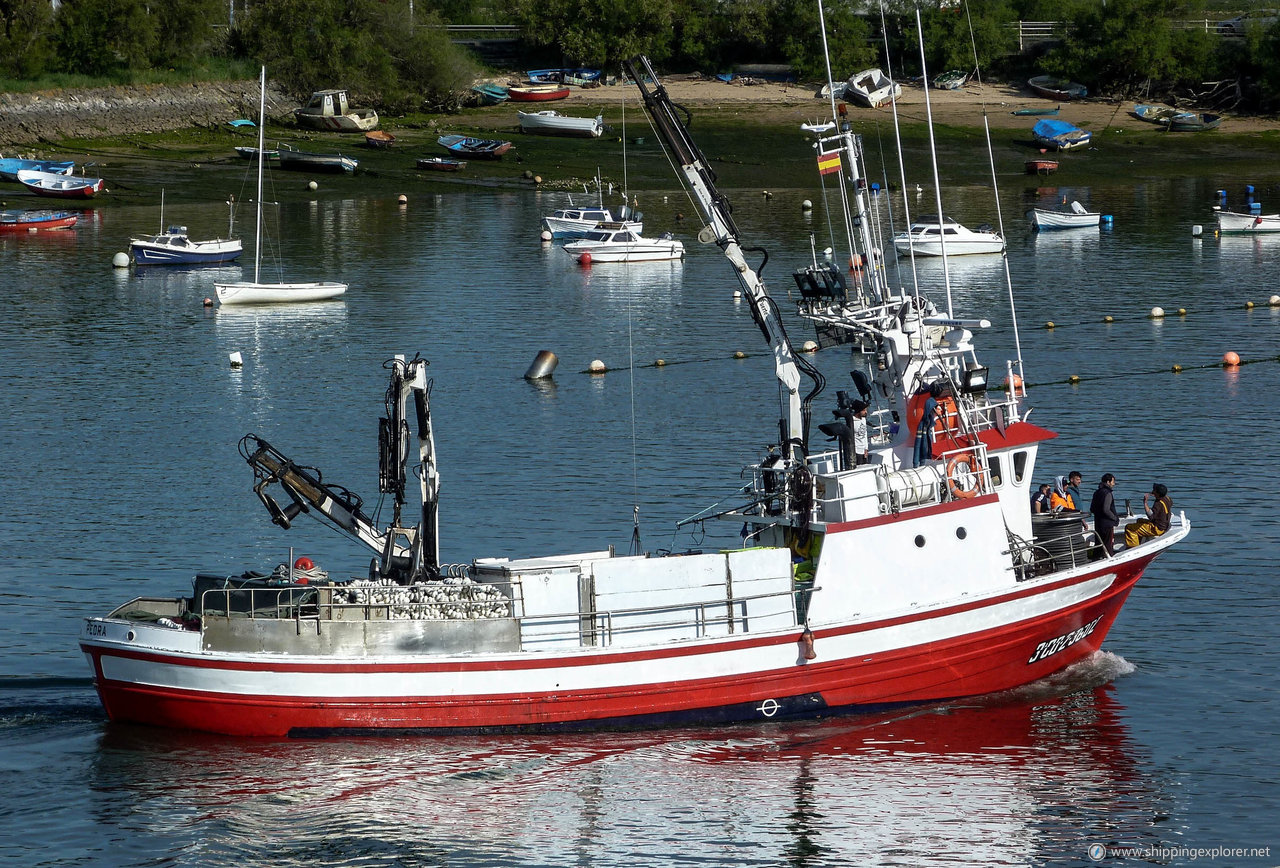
[(917, 577), (1235, 223), (928, 235), (330, 110), (617, 242), (1077, 217), (872, 88), (552, 123), (256, 291), (577, 222)]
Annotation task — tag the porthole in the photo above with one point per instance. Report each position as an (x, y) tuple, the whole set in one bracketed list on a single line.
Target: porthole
[(961, 533), (919, 541), (130, 637)]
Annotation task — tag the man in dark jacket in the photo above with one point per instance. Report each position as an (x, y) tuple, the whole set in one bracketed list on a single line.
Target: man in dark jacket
[(1103, 508)]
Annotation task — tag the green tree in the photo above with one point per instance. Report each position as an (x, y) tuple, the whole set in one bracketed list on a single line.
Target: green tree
[(1124, 45), (185, 30), (952, 34), (848, 43), (364, 45), (96, 37), (26, 43), (598, 33)]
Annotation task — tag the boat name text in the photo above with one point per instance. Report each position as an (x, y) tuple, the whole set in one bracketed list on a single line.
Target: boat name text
[(1053, 646)]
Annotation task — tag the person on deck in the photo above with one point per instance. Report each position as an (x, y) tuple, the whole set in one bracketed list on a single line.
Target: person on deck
[(1105, 517), (1060, 498), (924, 431), (861, 437), (1157, 520), (1074, 478), (1040, 499)]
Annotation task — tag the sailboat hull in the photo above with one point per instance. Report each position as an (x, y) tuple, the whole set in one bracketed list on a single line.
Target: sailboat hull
[(273, 293)]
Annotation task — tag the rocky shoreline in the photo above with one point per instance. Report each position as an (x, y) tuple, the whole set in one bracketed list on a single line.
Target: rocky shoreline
[(47, 118)]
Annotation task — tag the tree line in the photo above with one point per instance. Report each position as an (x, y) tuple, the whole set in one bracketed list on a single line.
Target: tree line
[(396, 54)]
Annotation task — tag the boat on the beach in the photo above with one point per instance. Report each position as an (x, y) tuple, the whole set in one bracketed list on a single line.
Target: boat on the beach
[(251, 153), (1156, 114), (31, 220), (58, 186), (11, 166), (1052, 133), (257, 291), (619, 242), (1075, 217), (1236, 223), (953, 79), (856, 586), (489, 93), (564, 75), (1057, 88), (1191, 122), (552, 123), (309, 161), (469, 146), (1035, 112), (872, 88), (441, 164), (331, 110), (928, 235), (537, 93), (380, 139)]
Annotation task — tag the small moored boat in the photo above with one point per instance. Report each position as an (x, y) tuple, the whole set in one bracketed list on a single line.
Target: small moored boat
[(379, 139), (330, 110), (1041, 166), (537, 93), (928, 235), (11, 166), (469, 146), (307, 161), (249, 153), (60, 186), (1156, 114), (1057, 88), (1235, 223), (617, 242), (872, 88), (552, 123), (441, 164), (953, 79), (175, 247), (36, 221), (1190, 122), (1051, 133), (1075, 217)]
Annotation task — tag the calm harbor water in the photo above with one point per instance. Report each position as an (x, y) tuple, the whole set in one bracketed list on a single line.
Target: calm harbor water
[(121, 421)]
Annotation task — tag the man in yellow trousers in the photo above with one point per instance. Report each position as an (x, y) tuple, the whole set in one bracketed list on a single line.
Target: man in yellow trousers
[(1157, 520)]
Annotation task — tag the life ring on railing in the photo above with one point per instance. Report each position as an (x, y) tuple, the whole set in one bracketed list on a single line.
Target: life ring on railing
[(963, 467)]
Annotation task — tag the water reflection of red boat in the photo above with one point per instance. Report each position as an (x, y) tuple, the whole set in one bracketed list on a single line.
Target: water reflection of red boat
[(1033, 772)]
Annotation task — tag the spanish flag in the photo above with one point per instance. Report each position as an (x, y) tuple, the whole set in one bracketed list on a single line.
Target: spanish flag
[(828, 163)]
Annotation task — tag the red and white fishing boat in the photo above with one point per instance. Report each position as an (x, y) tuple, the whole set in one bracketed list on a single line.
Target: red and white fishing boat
[(857, 586)]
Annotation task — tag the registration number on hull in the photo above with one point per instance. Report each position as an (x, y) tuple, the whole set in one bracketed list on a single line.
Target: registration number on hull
[(1053, 646)]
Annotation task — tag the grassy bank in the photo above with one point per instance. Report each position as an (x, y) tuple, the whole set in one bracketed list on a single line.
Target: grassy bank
[(749, 147)]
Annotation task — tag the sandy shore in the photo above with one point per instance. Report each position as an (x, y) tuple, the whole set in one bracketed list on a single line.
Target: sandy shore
[(962, 107)]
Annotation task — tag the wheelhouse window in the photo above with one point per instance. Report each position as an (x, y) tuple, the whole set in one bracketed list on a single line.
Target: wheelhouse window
[(1019, 465), (997, 471)]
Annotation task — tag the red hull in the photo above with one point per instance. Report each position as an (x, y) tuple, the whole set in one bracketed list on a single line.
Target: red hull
[(968, 665), (86, 192), (65, 221), (537, 94)]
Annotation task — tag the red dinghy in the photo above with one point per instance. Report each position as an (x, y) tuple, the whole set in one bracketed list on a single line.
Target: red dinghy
[(537, 93), (1041, 167), (36, 221), (60, 186)]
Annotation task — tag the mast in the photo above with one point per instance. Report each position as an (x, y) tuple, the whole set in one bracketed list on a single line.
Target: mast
[(721, 229), (262, 120)]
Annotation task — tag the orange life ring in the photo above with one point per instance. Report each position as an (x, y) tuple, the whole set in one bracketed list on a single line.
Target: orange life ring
[(971, 468)]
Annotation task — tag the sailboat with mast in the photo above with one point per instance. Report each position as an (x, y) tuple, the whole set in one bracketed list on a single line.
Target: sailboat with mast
[(258, 292), (910, 573)]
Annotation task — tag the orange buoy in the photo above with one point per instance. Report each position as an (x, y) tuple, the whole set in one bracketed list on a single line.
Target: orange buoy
[(1230, 359), (585, 259), (1014, 385)]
